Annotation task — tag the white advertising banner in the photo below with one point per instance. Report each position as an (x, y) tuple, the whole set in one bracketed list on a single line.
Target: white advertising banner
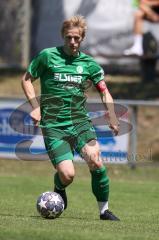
[(20, 139)]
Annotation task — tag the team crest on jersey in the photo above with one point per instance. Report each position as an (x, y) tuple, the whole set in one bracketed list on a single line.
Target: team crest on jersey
[(79, 69)]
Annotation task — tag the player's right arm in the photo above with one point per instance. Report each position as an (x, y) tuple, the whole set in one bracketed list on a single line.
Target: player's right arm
[(29, 91), (34, 71)]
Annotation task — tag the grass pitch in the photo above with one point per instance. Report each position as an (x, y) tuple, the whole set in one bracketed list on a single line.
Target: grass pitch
[(134, 198)]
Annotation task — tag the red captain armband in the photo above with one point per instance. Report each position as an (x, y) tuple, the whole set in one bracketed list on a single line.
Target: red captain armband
[(101, 86)]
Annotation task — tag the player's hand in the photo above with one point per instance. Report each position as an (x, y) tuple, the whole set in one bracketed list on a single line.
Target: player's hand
[(36, 116), (115, 129), (114, 124)]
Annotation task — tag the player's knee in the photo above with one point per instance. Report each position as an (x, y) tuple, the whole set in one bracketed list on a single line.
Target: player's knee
[(139, 14), (67, 176), (155, 18), (95, 161), (96, 165)]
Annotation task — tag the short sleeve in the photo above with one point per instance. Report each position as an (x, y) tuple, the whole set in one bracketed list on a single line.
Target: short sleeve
[(135, 3), (96, 72), (39, 64)]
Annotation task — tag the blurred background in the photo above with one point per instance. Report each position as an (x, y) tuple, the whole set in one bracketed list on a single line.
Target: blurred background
[(28, 26)]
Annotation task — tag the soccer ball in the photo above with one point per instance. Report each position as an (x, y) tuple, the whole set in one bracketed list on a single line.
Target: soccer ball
[(50, 205)]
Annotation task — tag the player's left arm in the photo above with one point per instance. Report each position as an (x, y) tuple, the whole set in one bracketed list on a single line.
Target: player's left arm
[(109, 103)]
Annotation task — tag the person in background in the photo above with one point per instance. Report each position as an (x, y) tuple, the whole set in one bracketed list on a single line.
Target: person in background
[(146, 10)]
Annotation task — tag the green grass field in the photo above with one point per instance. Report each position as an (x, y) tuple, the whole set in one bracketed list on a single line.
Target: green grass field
[(134, 198)]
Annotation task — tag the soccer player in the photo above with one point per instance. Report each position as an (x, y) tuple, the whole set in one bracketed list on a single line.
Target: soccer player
[(149, 10), (66, 126)]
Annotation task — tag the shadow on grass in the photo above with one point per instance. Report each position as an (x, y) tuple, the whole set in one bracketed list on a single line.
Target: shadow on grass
[(39, 217), (17, 215)]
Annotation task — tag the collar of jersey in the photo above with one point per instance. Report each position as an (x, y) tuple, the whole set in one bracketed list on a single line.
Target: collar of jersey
[(69, 56)]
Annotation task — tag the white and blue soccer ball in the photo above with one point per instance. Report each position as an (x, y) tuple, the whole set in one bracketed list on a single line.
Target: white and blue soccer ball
[(50, 205)]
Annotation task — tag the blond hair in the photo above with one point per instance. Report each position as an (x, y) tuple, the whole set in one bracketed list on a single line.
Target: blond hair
[(75, 21)]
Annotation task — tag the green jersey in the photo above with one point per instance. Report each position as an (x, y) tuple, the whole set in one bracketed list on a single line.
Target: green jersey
[(135, 3), (63, 80)]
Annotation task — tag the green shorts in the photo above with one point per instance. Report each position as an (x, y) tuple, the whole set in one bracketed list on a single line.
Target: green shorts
[(60, 142)]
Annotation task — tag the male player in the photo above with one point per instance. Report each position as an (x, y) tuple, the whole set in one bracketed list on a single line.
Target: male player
[(63, 72)]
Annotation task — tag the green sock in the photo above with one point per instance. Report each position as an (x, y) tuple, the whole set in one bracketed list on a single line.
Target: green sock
[(100, 184), (57, 182)]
